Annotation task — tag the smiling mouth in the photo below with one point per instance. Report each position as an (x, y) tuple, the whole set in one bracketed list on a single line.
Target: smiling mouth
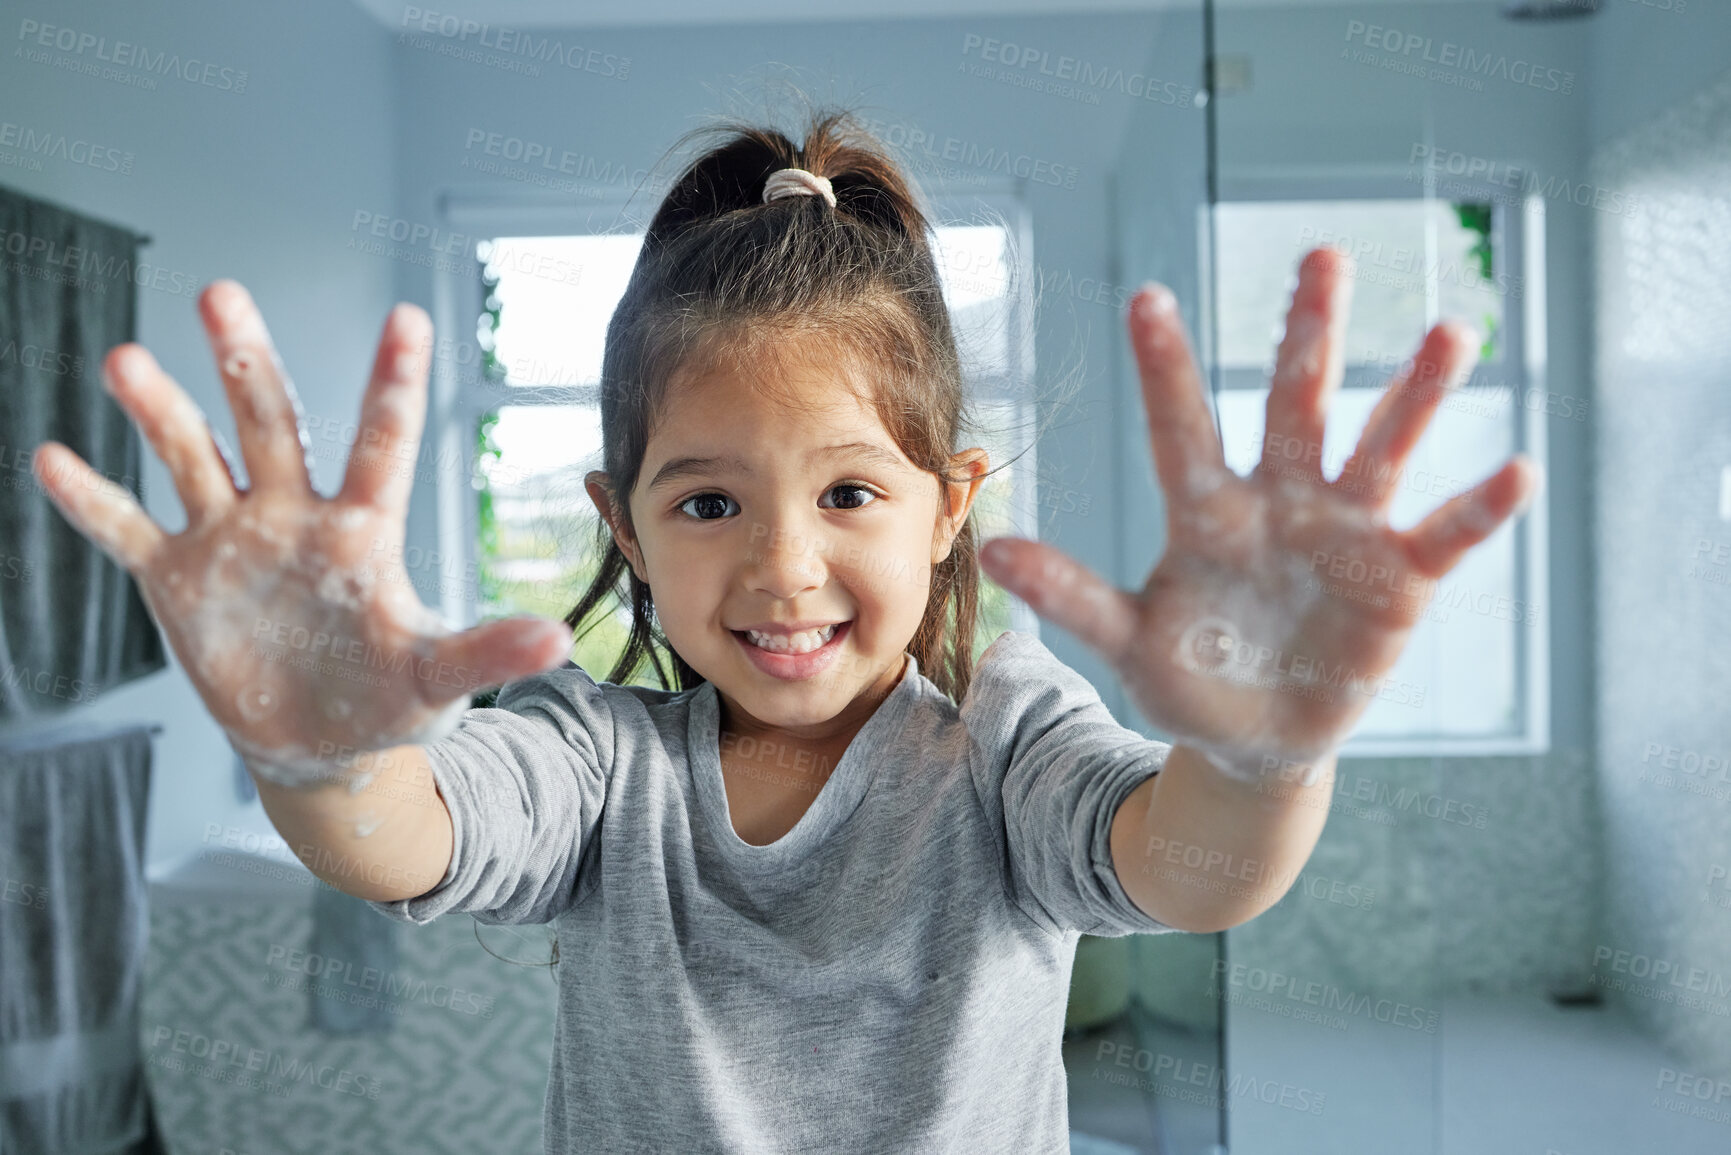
[(788, 664), (803, 642)]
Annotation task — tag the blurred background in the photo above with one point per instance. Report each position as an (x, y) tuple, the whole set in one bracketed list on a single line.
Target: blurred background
[(1515, 934)]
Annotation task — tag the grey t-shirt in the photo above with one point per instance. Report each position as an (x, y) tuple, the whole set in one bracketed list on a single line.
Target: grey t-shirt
[(889, 976)]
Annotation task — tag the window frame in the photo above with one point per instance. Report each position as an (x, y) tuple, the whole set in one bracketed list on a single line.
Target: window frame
[(1517, 232), (455, 405)]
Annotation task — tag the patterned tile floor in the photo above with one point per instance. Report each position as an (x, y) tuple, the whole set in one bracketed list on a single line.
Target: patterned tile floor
[(236, 1069)]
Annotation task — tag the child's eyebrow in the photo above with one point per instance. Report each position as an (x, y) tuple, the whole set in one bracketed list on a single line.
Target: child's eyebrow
[(680, 467)]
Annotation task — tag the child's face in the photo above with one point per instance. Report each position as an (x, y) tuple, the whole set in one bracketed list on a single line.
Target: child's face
[(791, 534)]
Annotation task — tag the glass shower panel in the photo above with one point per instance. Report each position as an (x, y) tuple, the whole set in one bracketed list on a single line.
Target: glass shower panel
[(1457, 969), (1148, 1068), (1337, 999)]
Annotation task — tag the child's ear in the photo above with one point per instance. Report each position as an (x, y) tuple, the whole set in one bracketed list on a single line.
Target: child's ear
[(971, 466), (600, 488)]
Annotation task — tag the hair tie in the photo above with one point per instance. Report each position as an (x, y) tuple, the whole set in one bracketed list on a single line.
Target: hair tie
[(789, 182)]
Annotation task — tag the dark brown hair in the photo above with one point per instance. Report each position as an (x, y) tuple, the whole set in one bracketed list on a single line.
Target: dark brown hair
[(725, 279)]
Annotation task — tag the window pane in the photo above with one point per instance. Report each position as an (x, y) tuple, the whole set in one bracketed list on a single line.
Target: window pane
[(1458, 674), (973, 264), (1418, 261), (1005, 429), (555, 296), (537, 522), (1471, 279)]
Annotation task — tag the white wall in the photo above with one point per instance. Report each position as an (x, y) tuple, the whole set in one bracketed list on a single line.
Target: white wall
[(1662, 127), (258, 185)]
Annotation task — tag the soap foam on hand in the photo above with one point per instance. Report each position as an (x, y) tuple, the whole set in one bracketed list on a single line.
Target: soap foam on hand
[(292, 613)]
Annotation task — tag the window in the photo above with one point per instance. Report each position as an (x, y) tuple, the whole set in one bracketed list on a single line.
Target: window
[(984, 270), (542, 323), (540, 302), (1472, 678)]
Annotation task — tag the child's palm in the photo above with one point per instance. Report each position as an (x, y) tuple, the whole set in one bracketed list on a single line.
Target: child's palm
[(291, 613), (1282, 598)]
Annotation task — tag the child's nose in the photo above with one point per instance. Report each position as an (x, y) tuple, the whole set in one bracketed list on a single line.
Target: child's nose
[(783, 560)]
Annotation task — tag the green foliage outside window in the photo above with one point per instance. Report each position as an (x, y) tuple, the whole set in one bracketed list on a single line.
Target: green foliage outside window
[(1476, 217)]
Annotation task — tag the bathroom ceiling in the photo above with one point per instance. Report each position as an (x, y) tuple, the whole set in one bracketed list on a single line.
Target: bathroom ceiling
[(564, 14)]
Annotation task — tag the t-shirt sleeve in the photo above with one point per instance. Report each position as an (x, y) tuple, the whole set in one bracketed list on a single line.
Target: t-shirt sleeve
[(524, 781), (1054, 764)]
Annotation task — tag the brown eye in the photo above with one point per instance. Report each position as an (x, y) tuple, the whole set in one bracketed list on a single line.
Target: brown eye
[(712, 503), (849, 487)]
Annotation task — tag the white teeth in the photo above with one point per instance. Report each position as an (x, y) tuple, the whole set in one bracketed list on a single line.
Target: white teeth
[(800, 643)]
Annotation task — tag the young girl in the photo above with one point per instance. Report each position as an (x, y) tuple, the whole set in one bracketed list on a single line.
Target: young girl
[(825, 894)]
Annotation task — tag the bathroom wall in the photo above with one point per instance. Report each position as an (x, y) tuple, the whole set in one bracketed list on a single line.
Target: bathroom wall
[(1662, 129), (250, 170)]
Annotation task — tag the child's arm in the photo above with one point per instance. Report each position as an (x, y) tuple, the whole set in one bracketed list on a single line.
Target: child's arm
[(390, 840), (291, 613), (1204, 851), (1281, 601)]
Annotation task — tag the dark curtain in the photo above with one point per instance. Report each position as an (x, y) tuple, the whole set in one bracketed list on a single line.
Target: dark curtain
[(72, 623)]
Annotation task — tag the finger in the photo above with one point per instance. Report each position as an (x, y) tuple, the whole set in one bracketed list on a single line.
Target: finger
[(1187, 453), (1403, 411), (381, 463), (1308, 366), (1437, 543), (97, 508), (175, 428), (266, 411), (1063, 591), (497, 652)]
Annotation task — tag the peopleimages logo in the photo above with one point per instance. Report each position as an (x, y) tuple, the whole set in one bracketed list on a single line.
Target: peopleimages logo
[(1277, 985), (1215, 647), (34, 36), (1027, 66), (512, 44), (231, 1062), (1453, 63), (929, 153), (548, 158), (59, 146), (1524, 181), (1663, 980), (343, 978), (43, 256)]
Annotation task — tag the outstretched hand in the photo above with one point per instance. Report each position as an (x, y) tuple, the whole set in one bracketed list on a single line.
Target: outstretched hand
[(290, 612), (1243, 643)]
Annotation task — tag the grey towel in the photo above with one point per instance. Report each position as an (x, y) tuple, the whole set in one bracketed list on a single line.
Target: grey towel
[(72, 623), (73, 932), (357, 952)]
